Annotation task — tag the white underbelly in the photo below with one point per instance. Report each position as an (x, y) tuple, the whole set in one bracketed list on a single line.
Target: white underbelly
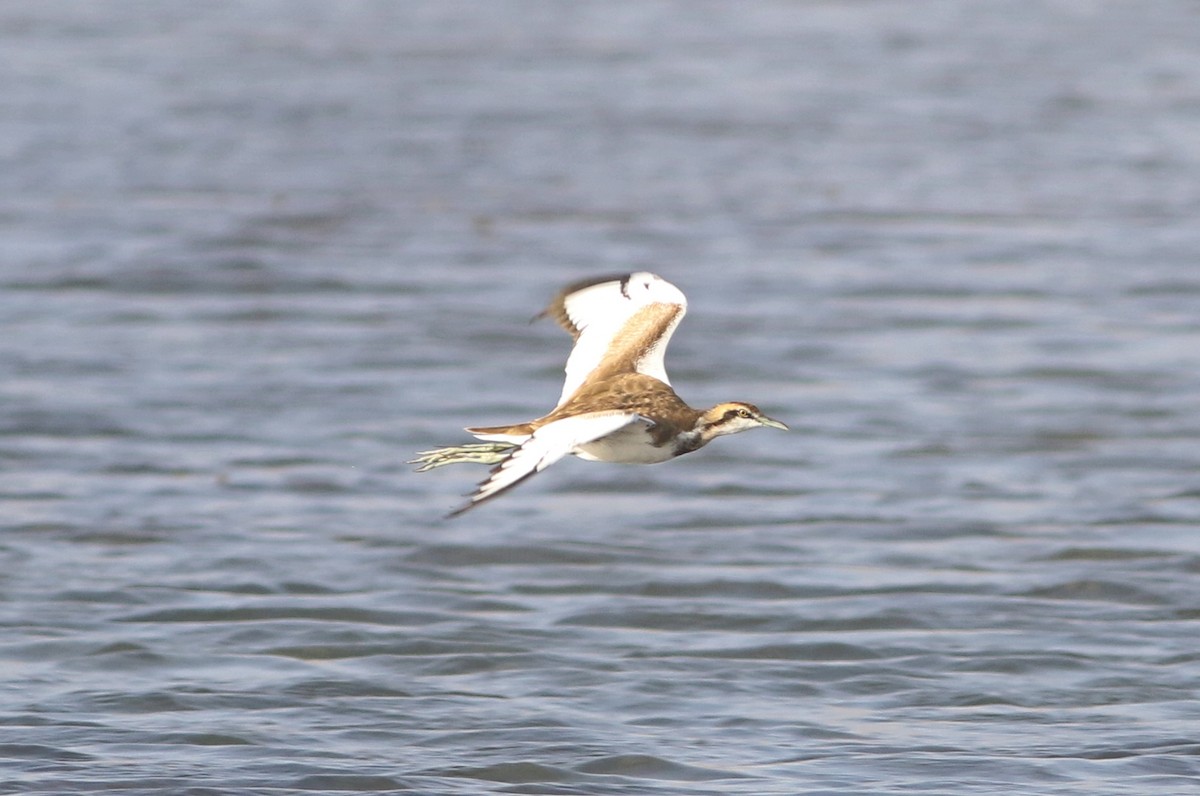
[(629, 445)]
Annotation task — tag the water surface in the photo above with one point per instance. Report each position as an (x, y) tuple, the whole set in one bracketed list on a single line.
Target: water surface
[(257, 254)]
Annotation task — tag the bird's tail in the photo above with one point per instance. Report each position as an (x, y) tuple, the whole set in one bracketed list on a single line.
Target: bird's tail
[(474, 453)]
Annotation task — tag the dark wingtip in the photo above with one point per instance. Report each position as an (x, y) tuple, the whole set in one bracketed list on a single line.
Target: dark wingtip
[(463, 509)]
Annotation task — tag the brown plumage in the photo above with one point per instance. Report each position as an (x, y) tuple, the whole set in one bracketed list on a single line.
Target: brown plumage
[(617, 404), (624, 391)]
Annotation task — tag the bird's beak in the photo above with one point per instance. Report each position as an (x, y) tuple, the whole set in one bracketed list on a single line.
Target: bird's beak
[(766, 421)]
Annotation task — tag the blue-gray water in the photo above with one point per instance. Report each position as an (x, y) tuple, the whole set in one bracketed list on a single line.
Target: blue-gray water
[(256, 254)]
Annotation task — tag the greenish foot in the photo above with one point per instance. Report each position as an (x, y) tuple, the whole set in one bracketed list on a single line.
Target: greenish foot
[(476, 453)]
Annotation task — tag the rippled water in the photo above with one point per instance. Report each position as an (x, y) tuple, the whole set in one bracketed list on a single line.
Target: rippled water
[(255, 255)]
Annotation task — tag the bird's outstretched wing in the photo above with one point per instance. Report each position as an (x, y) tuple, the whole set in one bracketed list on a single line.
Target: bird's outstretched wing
[(543, 448), (620, 323)]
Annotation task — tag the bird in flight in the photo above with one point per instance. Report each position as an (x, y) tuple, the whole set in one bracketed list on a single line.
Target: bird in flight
[(617, 404)]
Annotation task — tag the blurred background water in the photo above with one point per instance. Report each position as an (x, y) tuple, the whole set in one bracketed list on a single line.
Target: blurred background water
[(257, 254)]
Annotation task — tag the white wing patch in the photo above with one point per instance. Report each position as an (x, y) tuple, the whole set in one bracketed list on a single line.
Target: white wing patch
[(600, 311), (515, 439), (544, 447)]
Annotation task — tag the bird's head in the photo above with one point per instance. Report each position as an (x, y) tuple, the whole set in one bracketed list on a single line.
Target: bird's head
[(732, 417)]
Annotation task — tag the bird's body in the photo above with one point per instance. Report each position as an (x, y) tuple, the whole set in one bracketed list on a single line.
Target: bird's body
[(617, 404), (656, 413)]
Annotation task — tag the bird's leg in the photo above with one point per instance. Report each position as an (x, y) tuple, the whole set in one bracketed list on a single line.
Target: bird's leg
[(477, 453)]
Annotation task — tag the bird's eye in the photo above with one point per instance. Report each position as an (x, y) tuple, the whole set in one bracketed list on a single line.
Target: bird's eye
[(744, 413)]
